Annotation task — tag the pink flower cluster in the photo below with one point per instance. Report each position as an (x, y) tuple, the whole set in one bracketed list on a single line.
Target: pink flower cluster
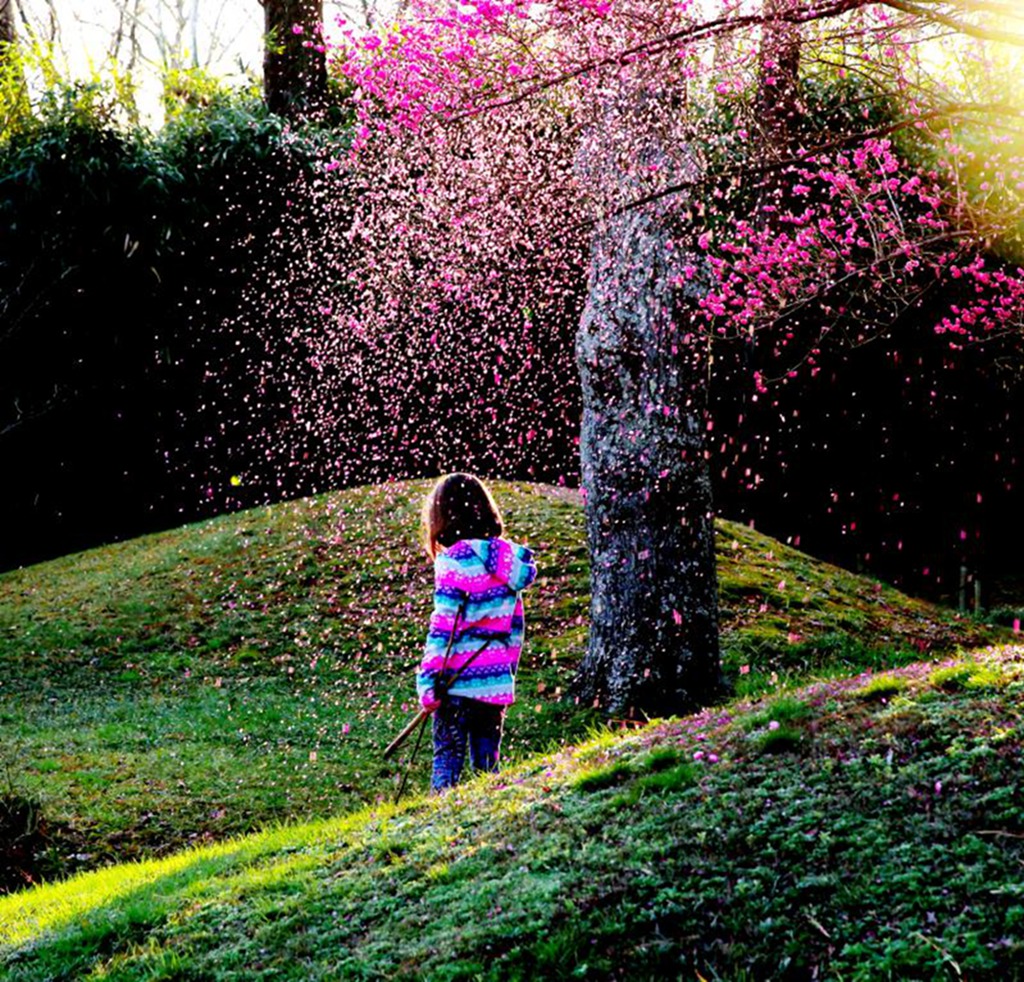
[(858, 224), (435, 63)]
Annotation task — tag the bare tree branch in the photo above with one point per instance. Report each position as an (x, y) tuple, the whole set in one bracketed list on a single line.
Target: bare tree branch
[(694, 32), (804, 156), (928, 14)]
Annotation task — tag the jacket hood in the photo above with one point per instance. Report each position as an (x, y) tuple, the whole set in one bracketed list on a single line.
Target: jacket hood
[(507, 561)]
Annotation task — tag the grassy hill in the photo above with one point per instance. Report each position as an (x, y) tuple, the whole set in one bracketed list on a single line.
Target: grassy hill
[(188, 687)]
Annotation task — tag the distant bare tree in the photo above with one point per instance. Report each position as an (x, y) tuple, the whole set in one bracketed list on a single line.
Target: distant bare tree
[(142, 34), (38, 19), (176, 33), (126, 36)]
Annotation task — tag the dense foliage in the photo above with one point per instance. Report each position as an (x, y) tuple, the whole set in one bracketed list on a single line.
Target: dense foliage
[(126, 259)]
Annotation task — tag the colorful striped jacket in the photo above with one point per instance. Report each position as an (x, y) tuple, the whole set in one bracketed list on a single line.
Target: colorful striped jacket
[(486, 576)]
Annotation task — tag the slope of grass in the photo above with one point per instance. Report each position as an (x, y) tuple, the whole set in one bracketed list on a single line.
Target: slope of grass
[(882, 838), (205, 682)]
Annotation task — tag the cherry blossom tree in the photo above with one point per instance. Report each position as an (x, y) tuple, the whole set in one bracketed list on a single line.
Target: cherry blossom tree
[(765, 177)]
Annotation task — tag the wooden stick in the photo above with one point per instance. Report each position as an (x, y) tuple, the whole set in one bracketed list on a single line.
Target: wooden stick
[(404, 735), (424, 713)]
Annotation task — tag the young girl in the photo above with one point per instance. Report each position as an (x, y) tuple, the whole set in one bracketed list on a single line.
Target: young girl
[(477, 621)]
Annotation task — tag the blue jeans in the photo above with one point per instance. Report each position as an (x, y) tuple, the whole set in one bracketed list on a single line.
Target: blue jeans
[(457, 721)]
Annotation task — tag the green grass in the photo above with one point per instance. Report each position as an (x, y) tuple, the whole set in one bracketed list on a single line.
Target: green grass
[(207, 681), (215, 680), (886, 843)]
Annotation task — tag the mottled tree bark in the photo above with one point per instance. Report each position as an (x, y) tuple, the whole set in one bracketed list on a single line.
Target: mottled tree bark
[(653, 647), (294, 73)]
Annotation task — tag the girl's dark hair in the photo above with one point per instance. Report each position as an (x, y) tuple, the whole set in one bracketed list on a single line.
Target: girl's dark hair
[(459, 507)]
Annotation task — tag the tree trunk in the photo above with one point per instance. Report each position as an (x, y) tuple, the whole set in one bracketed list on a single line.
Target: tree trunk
[(8, 34), (653, 647), (294, 70), (11, 64), (778, 97)]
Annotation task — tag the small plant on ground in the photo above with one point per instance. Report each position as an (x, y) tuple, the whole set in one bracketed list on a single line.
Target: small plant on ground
[(882, 687)]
